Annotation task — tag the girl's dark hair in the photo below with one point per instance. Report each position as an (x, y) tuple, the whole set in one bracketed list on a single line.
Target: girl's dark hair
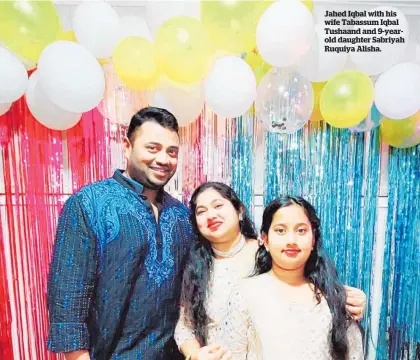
[(319, 270), (195, 283)]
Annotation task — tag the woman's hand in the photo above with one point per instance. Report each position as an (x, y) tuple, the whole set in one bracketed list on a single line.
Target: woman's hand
[(355, 302), (212, 352)]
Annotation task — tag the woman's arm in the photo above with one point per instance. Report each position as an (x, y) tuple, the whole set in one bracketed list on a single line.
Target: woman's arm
[(185, 336), (190, 347), (236, 326)]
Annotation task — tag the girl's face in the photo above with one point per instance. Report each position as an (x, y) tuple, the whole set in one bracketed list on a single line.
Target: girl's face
[(217, 219), (290, 239)]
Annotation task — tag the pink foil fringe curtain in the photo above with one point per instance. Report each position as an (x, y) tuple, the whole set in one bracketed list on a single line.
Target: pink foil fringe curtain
[(40, 169)]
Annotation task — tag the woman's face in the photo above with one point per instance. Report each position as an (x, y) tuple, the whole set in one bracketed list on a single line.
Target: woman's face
[(217, 219), (290, 239)]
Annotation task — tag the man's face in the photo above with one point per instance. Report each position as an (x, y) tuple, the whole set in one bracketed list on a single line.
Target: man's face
[(152, 157)]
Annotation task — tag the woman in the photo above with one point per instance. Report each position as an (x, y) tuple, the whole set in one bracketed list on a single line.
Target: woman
[(295, 307), (224, 253)]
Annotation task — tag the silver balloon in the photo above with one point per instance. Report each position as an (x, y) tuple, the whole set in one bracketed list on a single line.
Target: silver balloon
[(285, 101)]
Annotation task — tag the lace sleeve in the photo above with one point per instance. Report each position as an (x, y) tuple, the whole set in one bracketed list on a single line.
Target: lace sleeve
[(236, 326), (183, 331), (354, 337)]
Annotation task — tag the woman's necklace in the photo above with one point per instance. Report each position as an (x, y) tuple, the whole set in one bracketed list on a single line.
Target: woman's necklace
[(232, 252)]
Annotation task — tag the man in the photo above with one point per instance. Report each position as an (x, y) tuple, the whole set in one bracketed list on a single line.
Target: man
[(114, 282)]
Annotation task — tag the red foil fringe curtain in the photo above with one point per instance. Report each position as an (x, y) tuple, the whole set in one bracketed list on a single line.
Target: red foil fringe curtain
[(32, 173), (39, 169), (6, 349)]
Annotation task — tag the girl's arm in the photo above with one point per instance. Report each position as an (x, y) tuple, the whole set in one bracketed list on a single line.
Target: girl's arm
[(354, 337)]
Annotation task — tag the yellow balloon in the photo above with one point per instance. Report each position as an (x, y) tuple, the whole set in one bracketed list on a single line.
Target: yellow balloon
[(27, 27), (66, 35), (347, 99), (183, 50), (401, 133), (134, 63), (231, 24), (309, 5), (257, 64), (316, 113), (318, 87)]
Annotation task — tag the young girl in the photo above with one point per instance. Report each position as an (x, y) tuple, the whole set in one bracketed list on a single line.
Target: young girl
[(295, 307), (224, 253)]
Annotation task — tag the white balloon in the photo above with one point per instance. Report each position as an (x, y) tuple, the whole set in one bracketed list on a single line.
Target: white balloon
[(374, 63), (134, 26), (231, 87), (96, 26), (71, 77), (46, 112), (319, 65), (411, 53), (285, 33), (29, 64), (4, 108), (157, 12), (397, 91), (13, 77), (186, 103), (159, 101)]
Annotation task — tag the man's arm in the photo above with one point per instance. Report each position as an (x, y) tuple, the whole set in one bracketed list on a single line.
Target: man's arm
[(71, 282), (355, 302)]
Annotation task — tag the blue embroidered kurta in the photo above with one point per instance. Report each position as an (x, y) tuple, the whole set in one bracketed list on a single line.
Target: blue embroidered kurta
[(115, 276)]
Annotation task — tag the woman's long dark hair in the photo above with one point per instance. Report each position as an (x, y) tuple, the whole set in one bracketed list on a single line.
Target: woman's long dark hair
[(195, 283), (319, 270)]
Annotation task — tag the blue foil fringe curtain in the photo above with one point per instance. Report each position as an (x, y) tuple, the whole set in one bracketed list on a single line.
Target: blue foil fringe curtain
[(338, 172), (399, 331), (371, 175), (243, 151)]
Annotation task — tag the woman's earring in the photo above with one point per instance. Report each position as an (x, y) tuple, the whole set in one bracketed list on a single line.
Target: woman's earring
[(241, 222), (260, 242)]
